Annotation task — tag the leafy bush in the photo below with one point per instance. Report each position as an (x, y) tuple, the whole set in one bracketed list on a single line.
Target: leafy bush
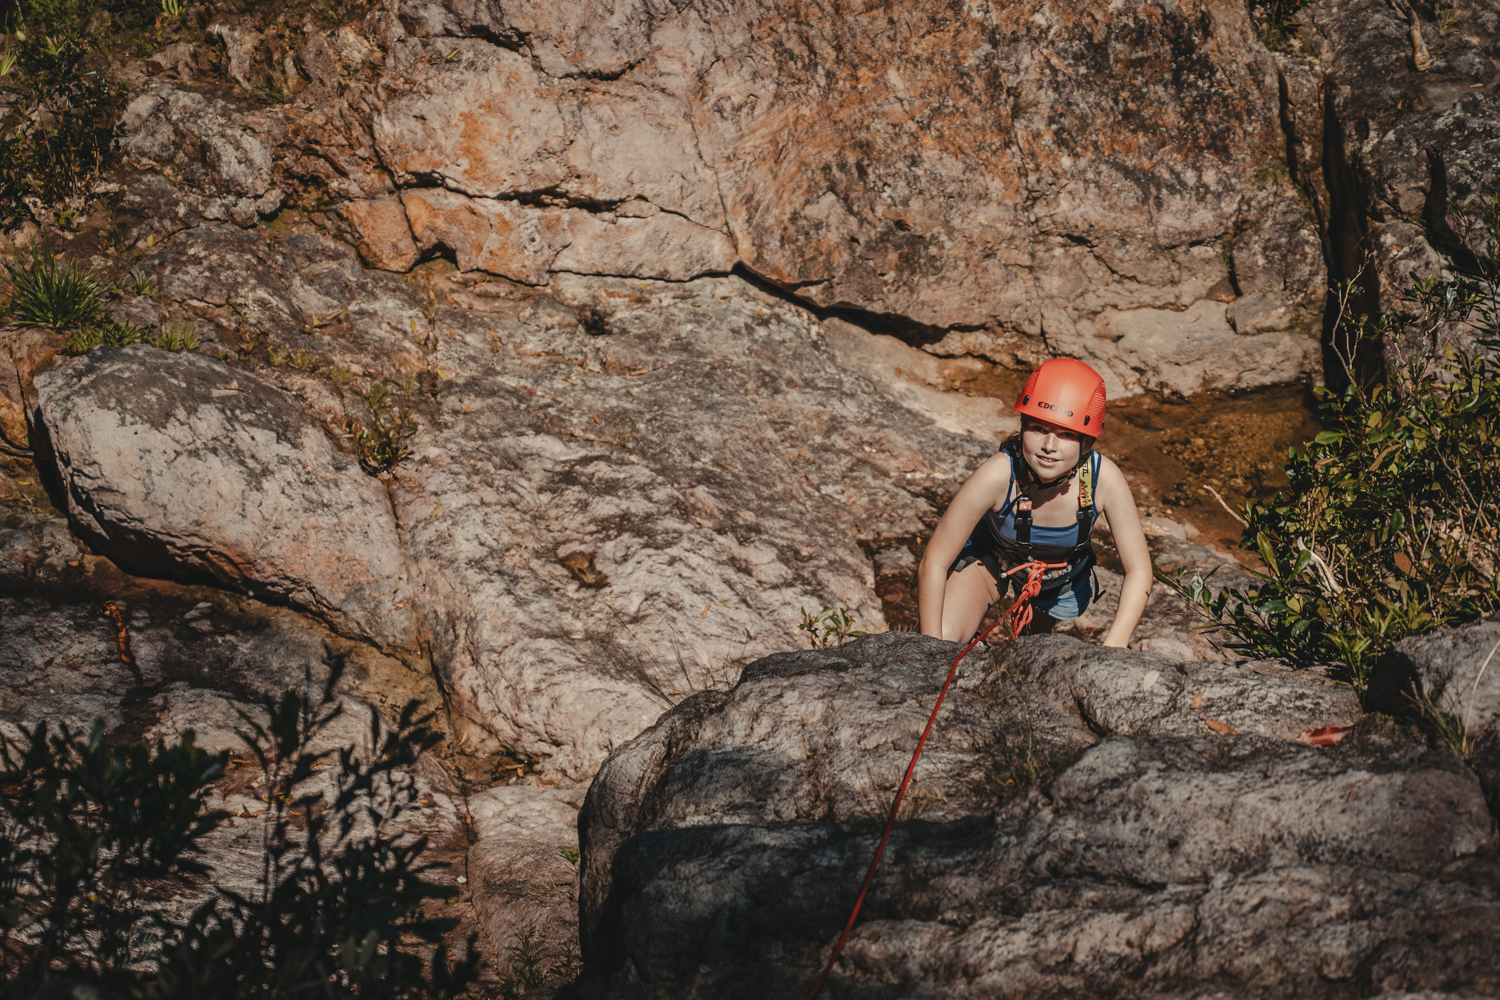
[(94, 840), (1390, 523), (55, 138)]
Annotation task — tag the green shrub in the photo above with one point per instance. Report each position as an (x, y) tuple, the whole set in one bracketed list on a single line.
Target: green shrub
[(177, 337), (46, 291), (56, 137), (94, 840), (104, 333), (828, 627), (381, 447), (1390, 523)]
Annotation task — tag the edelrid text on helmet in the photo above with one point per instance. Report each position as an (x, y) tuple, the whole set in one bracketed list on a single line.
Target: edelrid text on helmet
[(1065, 392)]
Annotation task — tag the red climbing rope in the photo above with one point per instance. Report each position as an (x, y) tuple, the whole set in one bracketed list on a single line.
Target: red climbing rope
[(1020, 615)]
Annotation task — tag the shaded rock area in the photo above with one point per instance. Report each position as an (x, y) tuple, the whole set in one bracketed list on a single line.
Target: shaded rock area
[(1445, 681), (82, 641), (1076, 828), (1412, 149)]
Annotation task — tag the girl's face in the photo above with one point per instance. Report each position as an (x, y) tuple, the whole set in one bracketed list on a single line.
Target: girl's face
[(1050, 450)]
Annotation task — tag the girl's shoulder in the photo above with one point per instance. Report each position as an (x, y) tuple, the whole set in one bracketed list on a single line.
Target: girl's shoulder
[(1109, 477), (992, 479)]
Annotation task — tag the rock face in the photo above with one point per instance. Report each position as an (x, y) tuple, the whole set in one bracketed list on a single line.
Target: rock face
[(1412, 148), (1075, 828), (618, 493), (179, 463), (604, 523), (1071, 181)]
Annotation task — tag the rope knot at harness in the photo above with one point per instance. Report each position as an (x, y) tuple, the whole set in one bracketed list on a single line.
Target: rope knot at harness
[(1019, 615)]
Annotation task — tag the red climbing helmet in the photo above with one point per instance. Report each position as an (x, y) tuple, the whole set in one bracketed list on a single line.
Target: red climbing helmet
[(1066, 392)]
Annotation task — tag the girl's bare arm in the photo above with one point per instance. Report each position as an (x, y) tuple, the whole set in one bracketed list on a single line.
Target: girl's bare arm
[(1117, 504), (985, 486)]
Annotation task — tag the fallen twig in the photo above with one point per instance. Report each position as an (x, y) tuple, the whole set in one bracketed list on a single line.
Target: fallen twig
[(1229, 509)]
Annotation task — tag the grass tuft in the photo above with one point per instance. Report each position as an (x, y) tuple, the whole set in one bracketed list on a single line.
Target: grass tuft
[(51, 293)]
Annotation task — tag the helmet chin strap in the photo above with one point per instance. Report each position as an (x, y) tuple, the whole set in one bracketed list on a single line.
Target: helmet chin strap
[(1047, 484)]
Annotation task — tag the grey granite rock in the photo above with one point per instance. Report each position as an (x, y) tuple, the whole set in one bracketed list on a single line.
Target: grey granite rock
[(1034, 861)]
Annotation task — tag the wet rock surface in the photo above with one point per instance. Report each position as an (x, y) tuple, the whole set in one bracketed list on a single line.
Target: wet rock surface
[(1051, 856)]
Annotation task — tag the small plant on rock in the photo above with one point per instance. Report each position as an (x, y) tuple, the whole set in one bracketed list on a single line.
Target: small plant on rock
[(138, 282), (1277, 22), (104, 333), (828, 627), (382, 446), (49, 292), (177, 337)]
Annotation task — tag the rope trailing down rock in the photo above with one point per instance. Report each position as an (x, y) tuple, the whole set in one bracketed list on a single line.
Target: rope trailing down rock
[(1019, 615)]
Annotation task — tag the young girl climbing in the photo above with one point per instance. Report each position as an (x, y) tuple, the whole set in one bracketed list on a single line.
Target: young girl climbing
[(1037, 500)]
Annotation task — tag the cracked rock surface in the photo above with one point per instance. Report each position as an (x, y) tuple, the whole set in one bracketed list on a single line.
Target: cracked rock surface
[(1044, 853), (1079, 181)]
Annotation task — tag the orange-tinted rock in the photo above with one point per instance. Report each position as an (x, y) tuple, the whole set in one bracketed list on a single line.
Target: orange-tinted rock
[(1023, 172), (479, 119), (485, 234), (22, 351), (382, 235)]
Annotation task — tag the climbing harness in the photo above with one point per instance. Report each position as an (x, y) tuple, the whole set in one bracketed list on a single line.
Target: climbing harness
[(1067, 562), (1019, 616)]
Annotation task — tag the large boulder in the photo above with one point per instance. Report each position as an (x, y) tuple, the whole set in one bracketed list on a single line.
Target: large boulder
[(179, 464), (1039, 855)]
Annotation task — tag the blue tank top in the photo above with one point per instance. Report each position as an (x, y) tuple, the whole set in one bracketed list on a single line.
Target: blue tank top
[(995, 538)]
